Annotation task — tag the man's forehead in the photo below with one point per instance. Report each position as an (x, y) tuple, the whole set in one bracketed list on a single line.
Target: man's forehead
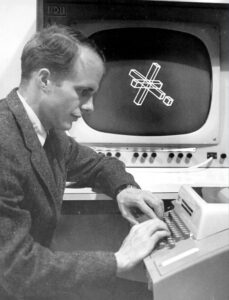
[(88, 58)]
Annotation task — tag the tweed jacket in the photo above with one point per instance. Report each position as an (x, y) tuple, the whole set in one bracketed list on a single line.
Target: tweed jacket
[(32, 183)]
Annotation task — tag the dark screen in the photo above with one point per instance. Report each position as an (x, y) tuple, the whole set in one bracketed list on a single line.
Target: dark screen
[(185, 72)]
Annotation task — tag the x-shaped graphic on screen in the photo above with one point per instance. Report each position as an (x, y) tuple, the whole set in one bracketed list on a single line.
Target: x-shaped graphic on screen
[(148, 84)]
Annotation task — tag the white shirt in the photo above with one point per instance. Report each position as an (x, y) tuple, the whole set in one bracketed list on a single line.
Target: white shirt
[(38, 127)]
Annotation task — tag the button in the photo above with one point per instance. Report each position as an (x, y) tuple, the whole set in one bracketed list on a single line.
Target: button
[(223, 155), (171, 242), (117, 154), (180, 155), (189, 155)]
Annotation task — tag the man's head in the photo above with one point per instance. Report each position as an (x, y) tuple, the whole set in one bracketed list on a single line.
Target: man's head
[(61, 71)]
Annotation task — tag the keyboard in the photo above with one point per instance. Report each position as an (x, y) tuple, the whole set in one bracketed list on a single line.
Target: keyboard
[(177, 228)]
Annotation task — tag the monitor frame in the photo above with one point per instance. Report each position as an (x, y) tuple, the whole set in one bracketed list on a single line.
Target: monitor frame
[(208, 134)]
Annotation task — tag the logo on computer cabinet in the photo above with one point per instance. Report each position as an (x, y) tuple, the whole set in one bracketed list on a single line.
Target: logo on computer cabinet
[(56, 10), (149, 84)]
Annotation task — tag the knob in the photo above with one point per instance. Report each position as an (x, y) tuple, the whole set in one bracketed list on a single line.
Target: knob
[(153, 155), (144, 154), (223, 155), (180, 155), (189, 155), (171, 155), (117, 154), (109, 154), (136, 154)]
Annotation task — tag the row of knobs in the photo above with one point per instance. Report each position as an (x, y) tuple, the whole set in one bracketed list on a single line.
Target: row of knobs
[(154, 155)]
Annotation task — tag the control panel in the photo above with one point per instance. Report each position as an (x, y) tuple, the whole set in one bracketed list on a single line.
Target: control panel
[(166, 157)]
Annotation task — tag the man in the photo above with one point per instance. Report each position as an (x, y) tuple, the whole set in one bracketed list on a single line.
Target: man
[(61, 72)]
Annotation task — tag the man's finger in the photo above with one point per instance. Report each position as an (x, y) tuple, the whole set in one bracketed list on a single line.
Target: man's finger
[(128, 216), (159, 235), (155, 204), (147, 210), (153, 225)]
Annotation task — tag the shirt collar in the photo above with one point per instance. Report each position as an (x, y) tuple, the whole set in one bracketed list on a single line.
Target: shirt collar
[(38, 127)]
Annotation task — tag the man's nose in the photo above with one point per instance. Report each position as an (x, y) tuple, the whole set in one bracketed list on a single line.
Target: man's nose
[(88, 105)]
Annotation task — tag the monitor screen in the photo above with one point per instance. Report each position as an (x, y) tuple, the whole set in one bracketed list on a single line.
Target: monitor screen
[(158, 82)]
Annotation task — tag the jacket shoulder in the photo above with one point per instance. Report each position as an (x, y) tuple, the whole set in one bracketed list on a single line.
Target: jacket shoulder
[(8, 124)]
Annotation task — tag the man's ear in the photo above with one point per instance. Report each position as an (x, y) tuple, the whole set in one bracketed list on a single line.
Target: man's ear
[(43, 78)]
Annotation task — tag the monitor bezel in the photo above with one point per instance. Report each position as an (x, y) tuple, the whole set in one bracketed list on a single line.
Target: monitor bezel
[(207, 134)]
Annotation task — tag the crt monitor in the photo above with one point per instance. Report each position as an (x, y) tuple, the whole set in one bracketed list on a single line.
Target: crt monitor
[(161, 86), (166, 80)]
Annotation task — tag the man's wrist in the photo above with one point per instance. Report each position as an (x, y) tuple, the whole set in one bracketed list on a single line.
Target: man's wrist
[(123, 187), (121, 263)]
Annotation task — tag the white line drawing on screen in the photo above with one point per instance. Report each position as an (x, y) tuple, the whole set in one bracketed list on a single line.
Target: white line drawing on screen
[(148, 83)]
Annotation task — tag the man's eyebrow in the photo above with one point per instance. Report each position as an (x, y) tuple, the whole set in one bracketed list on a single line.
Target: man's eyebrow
[(86, 88)]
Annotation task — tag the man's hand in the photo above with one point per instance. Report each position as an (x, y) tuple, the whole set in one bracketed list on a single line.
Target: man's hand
[(139, 243), (131, 197)]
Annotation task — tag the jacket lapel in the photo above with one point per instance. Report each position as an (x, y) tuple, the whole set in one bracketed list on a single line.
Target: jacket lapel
[(38, 157)]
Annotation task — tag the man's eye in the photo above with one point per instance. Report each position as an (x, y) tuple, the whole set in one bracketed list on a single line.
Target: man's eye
[(85, 93)]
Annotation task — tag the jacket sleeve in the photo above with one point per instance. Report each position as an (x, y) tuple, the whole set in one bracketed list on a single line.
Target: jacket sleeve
[(28, 269), (89, 169)]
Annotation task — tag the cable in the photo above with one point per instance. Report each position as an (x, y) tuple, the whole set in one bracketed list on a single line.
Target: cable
[(194, 168), (206, 162)]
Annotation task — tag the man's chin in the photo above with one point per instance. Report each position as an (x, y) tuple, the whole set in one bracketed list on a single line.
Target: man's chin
[(68, 126), (64, 126)]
